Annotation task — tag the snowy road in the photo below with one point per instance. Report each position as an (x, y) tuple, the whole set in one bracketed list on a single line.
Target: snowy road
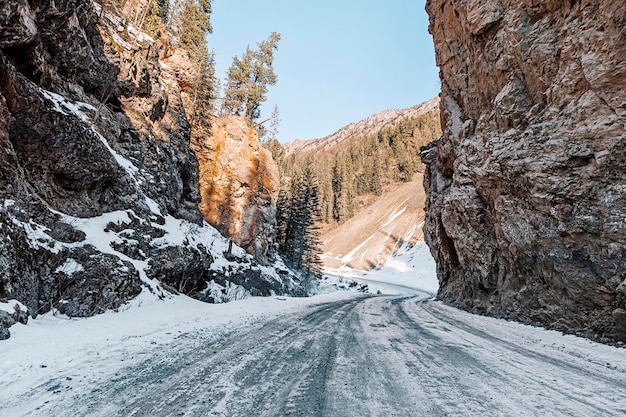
[(368, 356)]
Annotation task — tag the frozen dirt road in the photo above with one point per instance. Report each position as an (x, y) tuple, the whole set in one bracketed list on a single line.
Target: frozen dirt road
[(370, 356)]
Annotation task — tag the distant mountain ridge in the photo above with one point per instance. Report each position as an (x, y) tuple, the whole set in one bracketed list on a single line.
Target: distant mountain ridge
[(369, 126)]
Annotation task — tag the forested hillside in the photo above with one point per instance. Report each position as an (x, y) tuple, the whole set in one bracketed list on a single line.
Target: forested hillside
[(325, 183), (354, 170)]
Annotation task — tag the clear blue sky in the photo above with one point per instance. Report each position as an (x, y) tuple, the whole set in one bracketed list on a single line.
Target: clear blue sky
[(338, 61)]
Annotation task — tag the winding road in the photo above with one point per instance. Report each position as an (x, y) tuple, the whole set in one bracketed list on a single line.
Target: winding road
[(370, 356)]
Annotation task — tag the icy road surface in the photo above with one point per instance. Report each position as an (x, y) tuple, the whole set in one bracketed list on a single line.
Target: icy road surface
[(335, 354), (365, 356)]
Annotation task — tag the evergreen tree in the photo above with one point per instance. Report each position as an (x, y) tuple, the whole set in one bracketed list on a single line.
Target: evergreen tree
[(283, 215), (376, 179), (205, 92), (193, 23), (298, 217), (163, 9), (337, 184), (277, 150), (274, 123), (157, 17), (343, 186), (249, 77)]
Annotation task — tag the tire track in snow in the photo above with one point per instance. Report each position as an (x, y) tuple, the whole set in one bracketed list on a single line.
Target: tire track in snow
[(372, 356), (540, 381)]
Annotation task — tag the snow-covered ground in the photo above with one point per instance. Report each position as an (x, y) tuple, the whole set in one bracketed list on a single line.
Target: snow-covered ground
[(70, 356), (400, 353), (412, 268), (373, 236)]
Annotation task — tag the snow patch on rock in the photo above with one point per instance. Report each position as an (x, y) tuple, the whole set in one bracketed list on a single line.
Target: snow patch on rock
[(70, 267), (11, 306)]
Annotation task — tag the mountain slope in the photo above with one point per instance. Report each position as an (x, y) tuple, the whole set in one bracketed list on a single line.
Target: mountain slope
[(369, 126), (372, 237), (370, 190), (99, 187)]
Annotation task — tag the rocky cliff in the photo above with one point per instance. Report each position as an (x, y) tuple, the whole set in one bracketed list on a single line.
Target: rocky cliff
[(526, 207), (98, 184), (239, 185)]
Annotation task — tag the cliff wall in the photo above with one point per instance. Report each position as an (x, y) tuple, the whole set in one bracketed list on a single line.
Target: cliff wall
[(526, 206), (99, 188), (239, 184)]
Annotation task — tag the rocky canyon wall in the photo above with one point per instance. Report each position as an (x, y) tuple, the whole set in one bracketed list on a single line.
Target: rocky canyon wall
[(526, 207), (99, 188), (239, 183)]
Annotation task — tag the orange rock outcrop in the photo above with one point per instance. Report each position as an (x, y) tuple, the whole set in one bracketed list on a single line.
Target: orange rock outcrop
[(239, 184)]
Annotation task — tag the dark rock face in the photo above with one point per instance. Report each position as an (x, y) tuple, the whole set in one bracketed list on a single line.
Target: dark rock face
[(56, 156), (526, 208), (99, 187)]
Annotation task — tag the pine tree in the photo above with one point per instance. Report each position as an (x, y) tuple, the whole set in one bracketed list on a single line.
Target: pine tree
[(283, 215), (205, 92), (193, 22), (274, 123), (157, 17), (337, 186), (249, 77), (298, 217), (376, 179), (277, 150), (343, 185), (163, 9)]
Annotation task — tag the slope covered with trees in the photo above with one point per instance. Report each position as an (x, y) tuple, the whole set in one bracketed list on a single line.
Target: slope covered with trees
[(339, 177), (354, 171)]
